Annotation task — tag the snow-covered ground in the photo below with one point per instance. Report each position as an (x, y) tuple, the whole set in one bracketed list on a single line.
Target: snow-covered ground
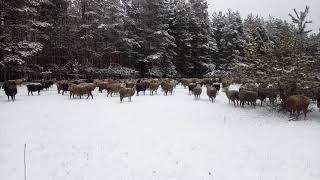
[(158, 137)]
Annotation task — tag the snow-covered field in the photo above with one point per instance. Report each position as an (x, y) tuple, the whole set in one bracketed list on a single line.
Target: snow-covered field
[(158, 137)]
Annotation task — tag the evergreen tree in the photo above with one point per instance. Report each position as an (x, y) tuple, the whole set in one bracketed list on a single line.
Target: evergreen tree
[(229, 35), (202, 46)]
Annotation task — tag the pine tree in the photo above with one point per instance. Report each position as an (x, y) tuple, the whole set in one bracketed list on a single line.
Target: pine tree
[(229, 35), (21, 31), (202, 46)]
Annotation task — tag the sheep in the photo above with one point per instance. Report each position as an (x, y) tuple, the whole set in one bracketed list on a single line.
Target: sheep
[(190, 87), (19, 82), (217, 86), (232, 95), (185, 82), (102, 86), (114, 88), (318, 103), (154, 86), (272, 95), (212, 93), (47, 84), (225, 83), (126, 92), (167, 87), (297, 103), (63, 86), (197, 91), (81, 89), (34, 87), (130, 84), (10, 88), (141, 86), (262, 94), (247, 96)]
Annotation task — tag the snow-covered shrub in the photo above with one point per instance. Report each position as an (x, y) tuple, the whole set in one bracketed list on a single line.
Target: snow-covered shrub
[(122, 72)]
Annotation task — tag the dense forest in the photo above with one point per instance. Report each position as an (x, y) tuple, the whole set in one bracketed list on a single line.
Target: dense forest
[(151, 38)]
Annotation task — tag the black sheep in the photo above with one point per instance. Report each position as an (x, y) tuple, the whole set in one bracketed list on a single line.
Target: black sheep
[(217, 86), (46, 84), (63, 86), (141, 86), (10, 88), (191, 86), (34, 88)]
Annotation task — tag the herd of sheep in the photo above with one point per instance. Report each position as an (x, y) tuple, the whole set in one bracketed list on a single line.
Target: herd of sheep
[(248, 94)]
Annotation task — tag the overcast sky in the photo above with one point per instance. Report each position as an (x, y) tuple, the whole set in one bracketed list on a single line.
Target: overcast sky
[(276, 8)]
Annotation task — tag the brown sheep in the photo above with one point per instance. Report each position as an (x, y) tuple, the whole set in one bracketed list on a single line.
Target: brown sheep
[(126, 92), (167, 87), (297, 103), (212, 93), (81, 89), (19, 82), (197, 91), (130, 84), (185, 82), (114, 88), (154, 87), (248, 96), (225, 83), (232, 95), (102, 85)]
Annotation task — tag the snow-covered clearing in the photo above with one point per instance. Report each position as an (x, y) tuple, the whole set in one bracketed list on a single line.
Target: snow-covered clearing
[(158, 137)]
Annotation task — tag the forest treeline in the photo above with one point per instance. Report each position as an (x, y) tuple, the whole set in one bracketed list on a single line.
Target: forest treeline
[(152, 38)]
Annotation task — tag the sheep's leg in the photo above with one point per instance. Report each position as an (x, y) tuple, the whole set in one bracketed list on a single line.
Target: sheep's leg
[(298, 114), (88, 95), (130, 98), (121, 98), (291, 113), (91, 95), (305, 113), (8, 98)]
